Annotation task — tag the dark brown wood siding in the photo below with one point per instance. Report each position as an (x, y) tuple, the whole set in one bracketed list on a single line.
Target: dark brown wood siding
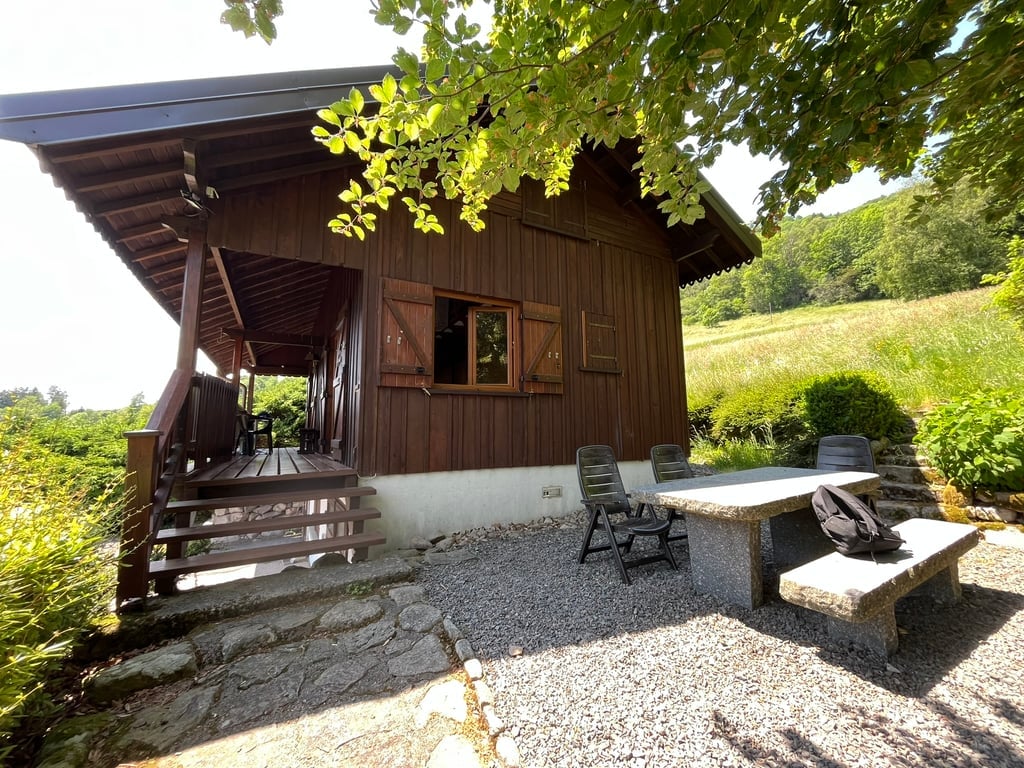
[(621, 272)]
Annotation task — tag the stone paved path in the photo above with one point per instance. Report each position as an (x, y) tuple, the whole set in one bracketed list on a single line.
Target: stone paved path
[(342, 666)]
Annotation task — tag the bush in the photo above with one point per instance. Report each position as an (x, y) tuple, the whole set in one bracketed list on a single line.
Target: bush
[(850, 403), (54, 576), (978, 440), (765, 415), (787, 418)]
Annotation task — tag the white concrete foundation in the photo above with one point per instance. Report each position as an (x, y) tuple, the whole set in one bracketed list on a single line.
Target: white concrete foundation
[(438, 503)]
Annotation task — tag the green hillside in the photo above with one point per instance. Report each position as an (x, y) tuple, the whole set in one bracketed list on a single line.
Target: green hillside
[(927, 351)]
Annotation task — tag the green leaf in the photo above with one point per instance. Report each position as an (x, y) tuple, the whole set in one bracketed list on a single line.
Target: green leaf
[(435, 69), (390, 87), (356, 100), (352, 141), (329, 116)]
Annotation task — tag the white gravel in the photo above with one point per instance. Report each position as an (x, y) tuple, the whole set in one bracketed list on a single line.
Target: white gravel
[(654, 675)]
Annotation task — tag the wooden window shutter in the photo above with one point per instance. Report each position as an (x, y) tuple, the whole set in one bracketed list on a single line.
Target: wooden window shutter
[(543, 361), (600, 343), (406, 334), (565, 213)]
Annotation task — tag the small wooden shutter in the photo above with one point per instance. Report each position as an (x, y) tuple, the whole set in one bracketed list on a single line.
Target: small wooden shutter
[(565, 213), (600, 345), (543, 361), (406, 334)]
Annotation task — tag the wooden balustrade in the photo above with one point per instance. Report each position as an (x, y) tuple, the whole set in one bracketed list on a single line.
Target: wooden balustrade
[(194, 421)]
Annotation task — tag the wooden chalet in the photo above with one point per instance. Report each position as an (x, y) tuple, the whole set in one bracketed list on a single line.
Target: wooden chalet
[(457, 374)]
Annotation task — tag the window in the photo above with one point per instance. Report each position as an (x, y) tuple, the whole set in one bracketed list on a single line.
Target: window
[(457, 342), (473, 343)]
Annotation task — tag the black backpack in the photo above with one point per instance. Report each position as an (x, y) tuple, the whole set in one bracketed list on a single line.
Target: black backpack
[(851, 524)]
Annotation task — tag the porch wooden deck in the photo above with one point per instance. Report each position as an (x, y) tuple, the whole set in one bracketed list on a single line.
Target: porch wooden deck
[(266, 466), (284, 471)]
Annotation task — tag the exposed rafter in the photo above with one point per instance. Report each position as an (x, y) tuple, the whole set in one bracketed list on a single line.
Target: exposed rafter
[(225, 279)]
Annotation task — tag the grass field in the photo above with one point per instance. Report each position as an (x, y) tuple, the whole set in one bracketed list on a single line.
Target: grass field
[(927, 351)]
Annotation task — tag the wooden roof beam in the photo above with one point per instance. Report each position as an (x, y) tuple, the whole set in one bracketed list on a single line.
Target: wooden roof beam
[(278, 370), (272, 337), (255, 154), (228, 184), (159, 251), (225, 279), (129, 175), (110, 147), (126, 204), (149, 229), (697, 245)]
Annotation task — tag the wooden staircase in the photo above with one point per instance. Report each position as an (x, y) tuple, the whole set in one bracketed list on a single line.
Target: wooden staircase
[(333, 522), (195, 427)]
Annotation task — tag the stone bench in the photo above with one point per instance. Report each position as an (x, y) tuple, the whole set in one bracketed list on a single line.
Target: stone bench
[(858, 594)]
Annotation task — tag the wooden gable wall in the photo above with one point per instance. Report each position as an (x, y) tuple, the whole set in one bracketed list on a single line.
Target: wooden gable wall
[(620, 276)]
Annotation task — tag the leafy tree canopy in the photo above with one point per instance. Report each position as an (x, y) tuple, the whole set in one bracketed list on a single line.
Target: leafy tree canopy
[(829, 87)]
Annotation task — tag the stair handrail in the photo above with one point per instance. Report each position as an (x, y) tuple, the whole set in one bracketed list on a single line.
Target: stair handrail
[(145, 473)]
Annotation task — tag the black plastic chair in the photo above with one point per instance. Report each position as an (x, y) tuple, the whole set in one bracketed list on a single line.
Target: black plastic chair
[(847, 453), (608, 506), (669, 463), (260, 424)]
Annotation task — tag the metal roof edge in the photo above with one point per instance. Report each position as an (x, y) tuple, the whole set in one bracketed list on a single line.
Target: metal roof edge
[(54, 117), (714, 198)]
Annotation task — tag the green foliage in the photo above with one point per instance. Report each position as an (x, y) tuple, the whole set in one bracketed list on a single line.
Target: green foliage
[(733, 455), (769, 413), (54, 576), (85, 448), (284, 399), (786, 416), (1009, 297), (927, 351), (827, 87), (977, 441), (851, 403), (875, 250), (948, 248)]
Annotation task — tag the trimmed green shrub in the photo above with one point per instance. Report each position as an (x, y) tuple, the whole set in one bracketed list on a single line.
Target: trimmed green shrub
[(702, 416), (851, 403), (55, 577), (978, 440), (764, 415)]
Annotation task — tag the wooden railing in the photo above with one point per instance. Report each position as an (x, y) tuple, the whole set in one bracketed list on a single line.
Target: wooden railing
[(192, 424)]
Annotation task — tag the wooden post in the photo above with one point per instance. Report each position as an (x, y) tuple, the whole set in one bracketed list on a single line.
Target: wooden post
[(192, 298), (236, 360), (140, 483)]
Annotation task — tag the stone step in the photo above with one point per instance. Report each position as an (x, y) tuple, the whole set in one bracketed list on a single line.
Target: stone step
[(907, 474), (896, 510), (911, 492), (903, 456)]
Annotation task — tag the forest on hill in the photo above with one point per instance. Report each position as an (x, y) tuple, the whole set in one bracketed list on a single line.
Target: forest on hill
[(908, 245)]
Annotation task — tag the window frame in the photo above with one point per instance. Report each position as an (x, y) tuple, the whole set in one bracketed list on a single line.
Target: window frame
[(511, 309)]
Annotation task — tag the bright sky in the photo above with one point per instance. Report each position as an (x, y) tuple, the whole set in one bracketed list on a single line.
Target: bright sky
[(72, 315)]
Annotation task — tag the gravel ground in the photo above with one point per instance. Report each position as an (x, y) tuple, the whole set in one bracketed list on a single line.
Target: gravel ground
[(654, 675)]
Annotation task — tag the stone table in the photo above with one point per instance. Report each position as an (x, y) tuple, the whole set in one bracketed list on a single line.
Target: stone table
[(723, 520)]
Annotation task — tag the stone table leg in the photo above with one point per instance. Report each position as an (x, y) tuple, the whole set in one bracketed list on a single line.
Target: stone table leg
[(725, 559), (797, 538)]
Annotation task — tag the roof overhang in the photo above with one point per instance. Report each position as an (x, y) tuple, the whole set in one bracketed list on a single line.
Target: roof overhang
[(126, 156)]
